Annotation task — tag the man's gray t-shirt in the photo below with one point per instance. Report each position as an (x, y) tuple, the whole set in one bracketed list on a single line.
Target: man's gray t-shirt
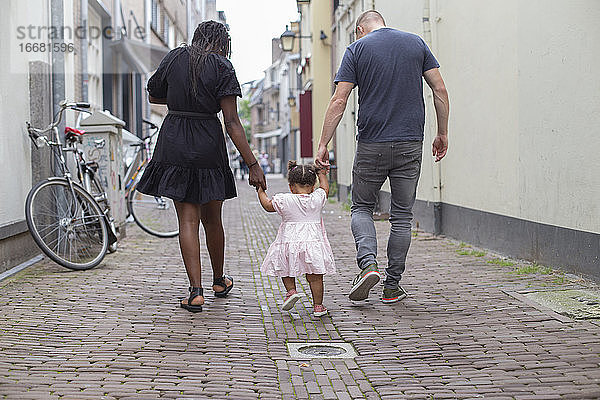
[(388, 66)]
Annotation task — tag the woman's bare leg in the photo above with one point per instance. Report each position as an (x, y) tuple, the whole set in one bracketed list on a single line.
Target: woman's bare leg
[(210, 215), (188, 215), (315, 281)]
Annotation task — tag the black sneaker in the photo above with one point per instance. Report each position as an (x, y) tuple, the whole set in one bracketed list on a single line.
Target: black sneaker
[(393, 295), (364, 281)]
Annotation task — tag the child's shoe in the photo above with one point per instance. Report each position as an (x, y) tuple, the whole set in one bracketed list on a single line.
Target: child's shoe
[(290, 299), (319, 310)]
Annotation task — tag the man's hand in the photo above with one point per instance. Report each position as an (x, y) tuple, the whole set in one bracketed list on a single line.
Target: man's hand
[(256, 177), (440, 147), (322, 159)]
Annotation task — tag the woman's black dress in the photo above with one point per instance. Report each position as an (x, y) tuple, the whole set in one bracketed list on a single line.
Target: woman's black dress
[(190, 162)]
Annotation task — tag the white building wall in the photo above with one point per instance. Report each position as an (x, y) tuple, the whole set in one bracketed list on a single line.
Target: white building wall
[(524, 106), (15, 153)]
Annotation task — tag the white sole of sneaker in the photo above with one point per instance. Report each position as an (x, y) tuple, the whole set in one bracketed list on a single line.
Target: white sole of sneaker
[(394, 299), (360, 291), (290, 302), (320, 313)]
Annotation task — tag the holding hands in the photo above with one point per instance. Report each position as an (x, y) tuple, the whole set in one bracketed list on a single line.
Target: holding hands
[(256, 176), (322, 158)]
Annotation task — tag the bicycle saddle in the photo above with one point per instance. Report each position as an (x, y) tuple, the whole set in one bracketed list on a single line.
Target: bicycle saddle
[(93, 165), (73, 134)]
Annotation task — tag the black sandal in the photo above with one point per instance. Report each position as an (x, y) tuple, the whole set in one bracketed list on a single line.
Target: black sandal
[(194, 292), (221, 282)]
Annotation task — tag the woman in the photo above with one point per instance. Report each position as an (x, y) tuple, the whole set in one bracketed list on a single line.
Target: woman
[(190, 163)]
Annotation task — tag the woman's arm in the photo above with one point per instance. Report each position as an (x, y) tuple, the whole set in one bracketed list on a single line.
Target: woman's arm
[(156, 100), (235, 130), (265, 202), (323, 182)]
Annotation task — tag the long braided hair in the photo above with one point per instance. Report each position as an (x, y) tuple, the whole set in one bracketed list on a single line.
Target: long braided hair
[(209, 37)]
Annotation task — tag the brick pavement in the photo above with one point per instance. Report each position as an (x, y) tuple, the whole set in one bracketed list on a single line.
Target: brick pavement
[(116, 332)]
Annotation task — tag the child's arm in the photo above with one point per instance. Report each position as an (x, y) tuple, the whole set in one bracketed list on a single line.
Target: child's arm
[(323, 182), (265, 202)]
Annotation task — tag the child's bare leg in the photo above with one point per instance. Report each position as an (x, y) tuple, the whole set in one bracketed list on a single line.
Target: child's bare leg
[(315, 281), (289, 282)]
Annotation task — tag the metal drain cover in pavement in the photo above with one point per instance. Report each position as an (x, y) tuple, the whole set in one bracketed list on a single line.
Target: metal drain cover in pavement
[(321, 350), (574, 303)]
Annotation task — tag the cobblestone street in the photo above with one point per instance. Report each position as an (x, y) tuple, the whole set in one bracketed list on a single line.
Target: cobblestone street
[(117, 331)]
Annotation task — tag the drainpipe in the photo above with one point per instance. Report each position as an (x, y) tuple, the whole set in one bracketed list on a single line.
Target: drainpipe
[(147, 106), (58, 71), (58, 58), (148, 19), (84, 51), (428, 36)]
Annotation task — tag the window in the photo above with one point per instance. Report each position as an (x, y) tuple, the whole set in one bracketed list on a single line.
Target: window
[(172, 41), (165, 28), (94, 56), (154, 21)]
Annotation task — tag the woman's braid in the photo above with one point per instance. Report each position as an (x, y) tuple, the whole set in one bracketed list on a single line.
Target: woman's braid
[(209, 37)]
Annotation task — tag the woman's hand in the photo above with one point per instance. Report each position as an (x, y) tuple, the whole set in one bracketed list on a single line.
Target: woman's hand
[(256, 177)]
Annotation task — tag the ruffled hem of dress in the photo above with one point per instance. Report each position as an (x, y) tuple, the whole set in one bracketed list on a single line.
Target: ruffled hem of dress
[(298, 258), (187, 185)]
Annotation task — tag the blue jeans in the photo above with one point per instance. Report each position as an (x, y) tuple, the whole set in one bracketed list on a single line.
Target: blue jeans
[(373, 163)]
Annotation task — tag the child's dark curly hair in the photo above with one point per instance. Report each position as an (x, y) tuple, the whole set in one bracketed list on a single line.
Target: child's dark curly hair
[(302, 174)]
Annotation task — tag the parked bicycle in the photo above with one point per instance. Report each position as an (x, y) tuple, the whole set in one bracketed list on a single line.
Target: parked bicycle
[(155, 215), (70, 221)]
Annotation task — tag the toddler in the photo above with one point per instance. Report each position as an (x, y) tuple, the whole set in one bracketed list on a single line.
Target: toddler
[(301, 246)]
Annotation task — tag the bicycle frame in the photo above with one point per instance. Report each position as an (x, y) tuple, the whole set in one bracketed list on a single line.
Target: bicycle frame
[(140, 159), (59, 149)]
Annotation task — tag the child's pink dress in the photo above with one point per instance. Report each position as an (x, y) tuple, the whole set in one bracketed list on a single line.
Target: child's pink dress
[(301, 246)]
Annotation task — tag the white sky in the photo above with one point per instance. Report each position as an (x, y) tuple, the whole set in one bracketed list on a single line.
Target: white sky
[(252, 24)]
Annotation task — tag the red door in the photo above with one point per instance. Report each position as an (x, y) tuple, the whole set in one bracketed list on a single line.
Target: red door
[(306, 134)]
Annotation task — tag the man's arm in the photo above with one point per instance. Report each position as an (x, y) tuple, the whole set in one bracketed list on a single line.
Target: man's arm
[(333, 115), (442, 110)]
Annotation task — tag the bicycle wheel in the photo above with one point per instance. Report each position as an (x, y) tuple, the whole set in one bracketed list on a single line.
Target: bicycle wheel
[(70, 229), (155, 215)]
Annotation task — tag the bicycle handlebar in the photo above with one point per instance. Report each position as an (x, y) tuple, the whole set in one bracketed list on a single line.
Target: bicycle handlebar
[(150, 123), (35, 133)]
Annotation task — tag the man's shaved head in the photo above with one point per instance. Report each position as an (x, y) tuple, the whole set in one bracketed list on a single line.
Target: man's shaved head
[(370, 17)]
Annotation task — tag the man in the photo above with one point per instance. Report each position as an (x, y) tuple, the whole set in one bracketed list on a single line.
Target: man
[(388, 67)]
